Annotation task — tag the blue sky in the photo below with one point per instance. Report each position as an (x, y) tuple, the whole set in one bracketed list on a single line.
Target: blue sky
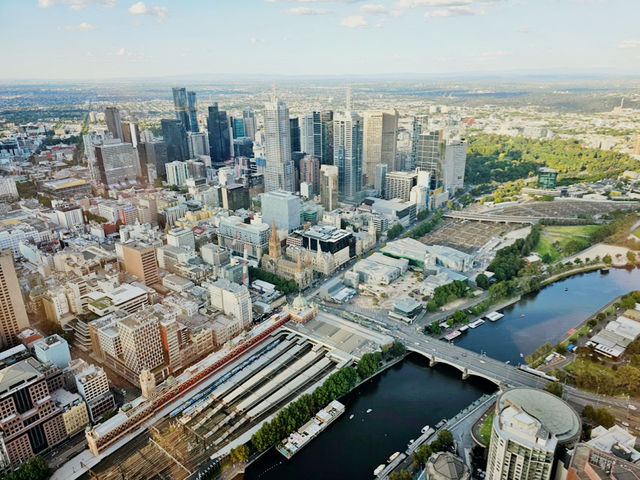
[(100, 39)]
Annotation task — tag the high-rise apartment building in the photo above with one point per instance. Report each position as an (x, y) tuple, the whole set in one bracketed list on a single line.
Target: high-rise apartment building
[(219, 136), (279, 171), (140, 259), (283, 208), (114, 122), (116, 163), (141, 342), (380, 132), (93, 386), (175, 138), (13, 315), (347, 154), (310, 172), (429, 154), (294, 128), (177, 173), (528, 426), (329, 187), (186, 110), (30, 420), (399, 184)]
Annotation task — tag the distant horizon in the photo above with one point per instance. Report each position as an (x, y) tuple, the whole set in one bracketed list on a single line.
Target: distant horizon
[(129, 39)]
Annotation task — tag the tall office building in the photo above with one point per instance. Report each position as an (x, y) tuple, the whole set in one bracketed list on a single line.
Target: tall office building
[(153, 158), (185, 106), (455, 160), (198, 144), (192, 110), (249, 123), (420, 124), (175, 138), (326, 136), (429, 153), (528, 425), (130, 133), (283, 208), (93, 386), (13, 315), (219, 137), (237, 127), (380, 133), (380, 179), (329, 187), (177, 173), (310, 172), (306, 135), (347, 154), (294, 128), (140, 260), (114, 123), (279, 171), (399, 185), (117, 163)]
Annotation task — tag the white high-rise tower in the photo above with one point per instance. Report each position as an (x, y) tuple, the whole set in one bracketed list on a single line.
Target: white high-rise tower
[(347, 152), (279, 171)]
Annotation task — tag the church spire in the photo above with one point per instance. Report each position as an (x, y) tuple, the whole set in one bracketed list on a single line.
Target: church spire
[(275, 249)]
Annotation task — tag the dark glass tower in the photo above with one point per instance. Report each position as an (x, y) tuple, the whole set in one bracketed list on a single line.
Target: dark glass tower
[(192, 111), (180, 105), (219, 138), (326, 119), (175, 138), (294, 127)]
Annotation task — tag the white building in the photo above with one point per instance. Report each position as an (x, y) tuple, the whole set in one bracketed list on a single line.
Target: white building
[(231, 299), (455, 160), (177, 173), (279, 172), (181, 237), (283, 208)]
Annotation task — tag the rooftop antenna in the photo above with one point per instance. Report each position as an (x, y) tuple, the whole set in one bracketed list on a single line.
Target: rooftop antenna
[(348, 98), (273, 92)]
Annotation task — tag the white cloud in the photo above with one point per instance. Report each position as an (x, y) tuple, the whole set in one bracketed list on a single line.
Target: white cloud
[(312, 1), (524, 29), (354, 21), (141, 8), (374, 8), (630, 43), (45, 3), (256, 40), (81, 27), (123, 52), (82, 4), (431, 3), (497, 53), (308, 11), (461, 11)]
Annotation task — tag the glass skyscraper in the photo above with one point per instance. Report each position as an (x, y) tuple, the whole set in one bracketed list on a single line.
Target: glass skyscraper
[(219, 137), (175, 138)]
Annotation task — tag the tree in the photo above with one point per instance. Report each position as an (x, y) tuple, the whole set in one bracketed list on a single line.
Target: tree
[(240, 453), (394, 231), (607, 259), (431, 306), (444, 442), (400, 475), (460, 317), (631, 256), (482, 281), (33, 469), (555, 388), (368, 364)]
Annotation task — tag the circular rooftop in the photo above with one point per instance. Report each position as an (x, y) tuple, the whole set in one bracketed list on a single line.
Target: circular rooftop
[(554, 413), (300, 303)]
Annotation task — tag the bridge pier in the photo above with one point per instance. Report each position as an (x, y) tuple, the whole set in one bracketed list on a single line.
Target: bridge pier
[(465, 374), (432, 361)]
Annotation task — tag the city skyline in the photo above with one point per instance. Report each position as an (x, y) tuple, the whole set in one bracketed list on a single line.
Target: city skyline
[(106, 39)]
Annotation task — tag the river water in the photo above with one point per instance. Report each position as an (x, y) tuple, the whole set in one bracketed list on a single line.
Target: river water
[(410, 395)]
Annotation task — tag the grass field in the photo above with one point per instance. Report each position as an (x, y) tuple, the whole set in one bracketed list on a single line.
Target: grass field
[(636, 232), (560, 241), (485, 429)]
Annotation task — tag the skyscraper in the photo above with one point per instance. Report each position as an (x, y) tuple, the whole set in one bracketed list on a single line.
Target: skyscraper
[(175, 138), (117, 163), (249, 123), (180, 106), (380, 179), (237, 125), (306, 135), (326, 135), (329, 187), (399, 185), (310, 172), (177, 173), (455, 160), (420, 124), (294, 128), (140, 260), (380, 132), (429, 152), (192, 111), (13, 315), (279, 171), (219, 137), (114, 123), (347, 154), (153, 158)]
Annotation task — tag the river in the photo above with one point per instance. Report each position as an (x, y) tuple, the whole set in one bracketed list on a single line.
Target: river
[(411, 395)]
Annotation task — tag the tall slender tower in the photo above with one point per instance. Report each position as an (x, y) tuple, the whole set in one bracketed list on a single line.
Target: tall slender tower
[(192, 111), (279, 172), (114, 123), (180, 106), (219, 135), (379, 142), (13, 315), (347, 152)]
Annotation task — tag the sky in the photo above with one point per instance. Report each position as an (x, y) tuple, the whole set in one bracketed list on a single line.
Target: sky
[(103, 39)]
